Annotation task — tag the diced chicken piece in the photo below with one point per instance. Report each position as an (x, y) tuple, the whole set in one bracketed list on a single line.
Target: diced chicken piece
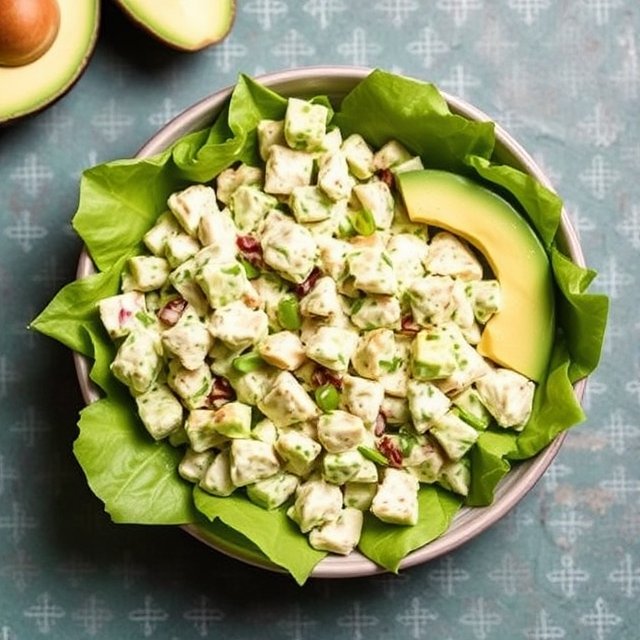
[(287, 169), (340, 536), (317, 502), (396, 500), (189, 205), (339, 431), (450, 256), (118, 313), (305, 124), (238, 326), (287, 402), (251, 461), (283, 350), (376, 198)]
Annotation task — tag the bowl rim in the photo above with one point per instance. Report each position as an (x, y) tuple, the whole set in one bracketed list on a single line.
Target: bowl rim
[(310, 81)]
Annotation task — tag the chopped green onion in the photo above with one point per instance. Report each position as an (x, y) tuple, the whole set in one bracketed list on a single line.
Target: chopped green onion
[(364, 222), (289, 313), (327, 397), (373, 455), (248, 362), (249, 269), (407, 441), (470, 419)]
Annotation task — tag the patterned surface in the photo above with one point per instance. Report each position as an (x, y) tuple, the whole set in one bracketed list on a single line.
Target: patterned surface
[(564, 77)]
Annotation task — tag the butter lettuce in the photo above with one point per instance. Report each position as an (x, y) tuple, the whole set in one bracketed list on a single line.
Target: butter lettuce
[(136, 478)]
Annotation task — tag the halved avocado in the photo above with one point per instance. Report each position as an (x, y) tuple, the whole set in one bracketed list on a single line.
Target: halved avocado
[(186, 25), (30, 87), (519, 336)]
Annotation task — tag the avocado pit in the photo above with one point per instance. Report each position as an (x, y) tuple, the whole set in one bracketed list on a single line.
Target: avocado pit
[(27, 29)]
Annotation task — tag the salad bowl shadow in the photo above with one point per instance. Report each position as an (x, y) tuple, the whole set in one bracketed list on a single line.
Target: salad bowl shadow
[(335, 83)]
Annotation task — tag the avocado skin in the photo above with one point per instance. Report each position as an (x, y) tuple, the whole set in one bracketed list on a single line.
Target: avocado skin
[(50, 96), (129, 9), (520, 336)]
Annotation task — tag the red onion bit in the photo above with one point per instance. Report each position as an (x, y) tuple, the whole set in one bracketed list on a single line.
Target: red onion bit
[(251, 249), (409, 325), (124, 316), (380, 425), (221, 393), (172, 311), (386, 176), (306, 285), (390, 451), (322, 376)]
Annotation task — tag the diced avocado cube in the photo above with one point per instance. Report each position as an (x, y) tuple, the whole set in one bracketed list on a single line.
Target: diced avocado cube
[(118, 313), (451, 256), (159, 410), (456, 476), (362, 398), (333, 176), (508, 396), (179, 248), (249, 205), (216, 480), (201, 430), (138, 360), (472, 409), (233, 420), (374, 348), (192, 386), (359, 495), (273, 492), (340, 431), (270, 132), (426, 404), (454, 435), (413, 164), (390, 154), (396, 500), (183, 280), (251, 461), (433, 354), (230, 179), (431, 299), (194, 464), (222, 283), (376, 198), (265, 431), (298, 451), (283, 350), (156, 238), (310, 204), (287, 169), (332, 347), (317, 502), (359, 156), (340, 536), (238, 326), (189, 205), (305, 124), (287, 402), (188, 340), (339, 468)]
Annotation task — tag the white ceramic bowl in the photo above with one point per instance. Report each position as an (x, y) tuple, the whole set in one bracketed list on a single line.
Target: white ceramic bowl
[(336, 82)]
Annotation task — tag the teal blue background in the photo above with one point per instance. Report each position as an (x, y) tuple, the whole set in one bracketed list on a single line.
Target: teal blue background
[(564, 78)]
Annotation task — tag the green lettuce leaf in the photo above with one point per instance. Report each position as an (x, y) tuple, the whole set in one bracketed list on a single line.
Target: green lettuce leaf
[(489, 464), (271, 531), (385, 106), (135, 477), (387, 544)]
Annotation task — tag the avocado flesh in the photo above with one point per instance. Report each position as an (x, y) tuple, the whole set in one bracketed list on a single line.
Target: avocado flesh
[(519, 336), (188, 25), (30, 87)]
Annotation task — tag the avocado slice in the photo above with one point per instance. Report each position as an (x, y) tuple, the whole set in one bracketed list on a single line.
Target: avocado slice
[(186, 25), (28, 88), (520, 335)]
